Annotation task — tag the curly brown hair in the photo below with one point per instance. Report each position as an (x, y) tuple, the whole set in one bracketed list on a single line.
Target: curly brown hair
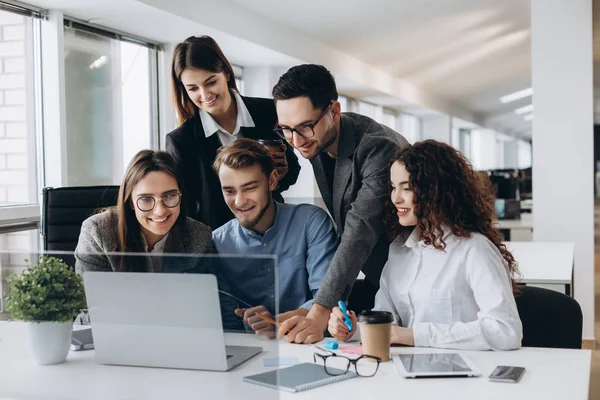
[(448, 192)]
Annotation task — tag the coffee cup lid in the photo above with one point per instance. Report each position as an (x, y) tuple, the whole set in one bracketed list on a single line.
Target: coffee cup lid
[(375, 317)]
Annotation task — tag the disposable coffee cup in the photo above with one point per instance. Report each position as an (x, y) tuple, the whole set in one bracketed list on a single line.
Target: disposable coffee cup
[(375, 332), (272, 145)]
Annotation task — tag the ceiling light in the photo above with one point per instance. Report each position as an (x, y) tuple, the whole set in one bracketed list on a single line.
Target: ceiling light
[(516, 95), (99, 63), (524, 110), (528, 117)]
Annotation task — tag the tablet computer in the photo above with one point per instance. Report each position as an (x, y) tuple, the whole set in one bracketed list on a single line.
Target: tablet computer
[(434, 365)]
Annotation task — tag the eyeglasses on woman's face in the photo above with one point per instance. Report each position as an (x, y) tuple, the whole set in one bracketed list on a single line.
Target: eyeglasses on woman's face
[(169, 199), (304, 130)]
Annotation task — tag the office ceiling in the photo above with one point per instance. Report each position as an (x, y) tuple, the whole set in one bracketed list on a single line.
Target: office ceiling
[(465, 53), (470, 52)]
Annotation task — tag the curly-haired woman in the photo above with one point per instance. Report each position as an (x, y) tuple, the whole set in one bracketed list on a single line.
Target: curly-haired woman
[(450, 283)]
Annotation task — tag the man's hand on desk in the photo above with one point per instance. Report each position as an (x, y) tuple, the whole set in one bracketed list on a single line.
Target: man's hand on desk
[(308, 329), (258, 325)]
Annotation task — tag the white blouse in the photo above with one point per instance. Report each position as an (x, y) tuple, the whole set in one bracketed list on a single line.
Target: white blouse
[(459, 298), (244, 119)]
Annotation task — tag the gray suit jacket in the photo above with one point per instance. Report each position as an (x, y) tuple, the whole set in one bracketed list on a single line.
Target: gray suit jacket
[(360, 188), (99, 236)]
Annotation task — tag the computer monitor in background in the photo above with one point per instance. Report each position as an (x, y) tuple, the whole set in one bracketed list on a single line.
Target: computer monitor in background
[(525, 186), (505, 183)]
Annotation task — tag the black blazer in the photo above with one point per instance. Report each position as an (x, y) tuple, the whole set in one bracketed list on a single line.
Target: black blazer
[(195, 154)]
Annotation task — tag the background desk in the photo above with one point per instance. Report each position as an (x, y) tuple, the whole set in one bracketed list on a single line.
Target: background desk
[(545, 264), (520, 230), (551, 374)]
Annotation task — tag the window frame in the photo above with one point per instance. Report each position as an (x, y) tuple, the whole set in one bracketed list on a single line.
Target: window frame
[(26, 216), (47, 85)]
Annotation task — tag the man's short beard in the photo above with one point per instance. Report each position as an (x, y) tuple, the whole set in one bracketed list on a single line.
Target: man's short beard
[(329, 137), (252, 223)]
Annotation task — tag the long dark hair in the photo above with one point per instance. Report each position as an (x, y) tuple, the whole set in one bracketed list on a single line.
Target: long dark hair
[(128, 228), (199, 53), (448, 192)]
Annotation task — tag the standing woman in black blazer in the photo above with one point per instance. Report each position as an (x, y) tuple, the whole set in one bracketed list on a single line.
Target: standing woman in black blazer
[(211, 114)]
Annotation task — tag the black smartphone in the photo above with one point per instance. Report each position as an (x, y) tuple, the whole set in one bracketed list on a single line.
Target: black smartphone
[(505, 373), (82, 339)]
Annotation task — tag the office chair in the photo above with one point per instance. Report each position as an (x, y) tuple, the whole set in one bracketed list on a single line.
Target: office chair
[(362, 296), (64, 210), (549, 318)]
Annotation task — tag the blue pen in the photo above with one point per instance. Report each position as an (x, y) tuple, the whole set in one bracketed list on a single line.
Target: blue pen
[(348, 321)]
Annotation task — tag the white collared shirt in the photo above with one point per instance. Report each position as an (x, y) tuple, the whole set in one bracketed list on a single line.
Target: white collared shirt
[(244, 119), (459, 298), (159, 248)]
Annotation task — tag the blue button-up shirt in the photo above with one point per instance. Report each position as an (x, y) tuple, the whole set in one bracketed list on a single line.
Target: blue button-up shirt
[(304, 241)]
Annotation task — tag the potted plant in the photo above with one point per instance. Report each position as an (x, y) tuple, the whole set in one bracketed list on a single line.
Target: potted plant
[(47, 296)]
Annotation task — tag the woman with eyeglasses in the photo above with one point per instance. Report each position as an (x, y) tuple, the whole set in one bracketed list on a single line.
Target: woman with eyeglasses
[(450, 282), (211, 114), (149, 218)]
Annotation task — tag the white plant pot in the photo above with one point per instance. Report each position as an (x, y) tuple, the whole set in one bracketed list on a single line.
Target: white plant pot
[(49, 342)]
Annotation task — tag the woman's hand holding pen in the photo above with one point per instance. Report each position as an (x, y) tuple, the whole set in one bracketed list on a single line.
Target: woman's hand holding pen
[(336, 326), (258, 325)]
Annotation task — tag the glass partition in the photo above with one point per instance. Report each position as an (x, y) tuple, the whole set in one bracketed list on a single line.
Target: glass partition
[(186, 314)]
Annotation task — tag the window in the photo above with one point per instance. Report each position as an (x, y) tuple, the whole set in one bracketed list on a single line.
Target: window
[(239, 78), (20, 101), (370, 110), (500, 154), (110, 104), (455, 140), (483, 149), (389, 119), (410, 127), (465, 142), (343, 103), (524, 158), (18, 66)]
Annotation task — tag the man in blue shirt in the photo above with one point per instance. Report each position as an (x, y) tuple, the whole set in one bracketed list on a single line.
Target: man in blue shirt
[(301, 236)]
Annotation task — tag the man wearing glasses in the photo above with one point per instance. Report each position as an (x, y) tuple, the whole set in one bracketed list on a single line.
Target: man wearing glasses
[(350, 155)]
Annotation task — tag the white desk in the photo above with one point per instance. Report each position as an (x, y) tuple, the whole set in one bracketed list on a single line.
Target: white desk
[(545, 263), (521, 230), (551, 374)]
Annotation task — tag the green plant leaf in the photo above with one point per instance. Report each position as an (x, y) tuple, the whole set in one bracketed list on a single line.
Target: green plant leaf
[(47, 291)]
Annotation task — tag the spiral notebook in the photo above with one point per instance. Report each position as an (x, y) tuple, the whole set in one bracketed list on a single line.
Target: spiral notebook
[(298, 377)]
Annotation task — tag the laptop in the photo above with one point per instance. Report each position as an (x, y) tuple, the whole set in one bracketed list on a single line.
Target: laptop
[(160, 320)]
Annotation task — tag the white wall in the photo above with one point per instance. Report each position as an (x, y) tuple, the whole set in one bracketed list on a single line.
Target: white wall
[(561, 46), (410, 127), (511, 153), (483, 149), (438, 127), (524, 156), (259, 80)]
